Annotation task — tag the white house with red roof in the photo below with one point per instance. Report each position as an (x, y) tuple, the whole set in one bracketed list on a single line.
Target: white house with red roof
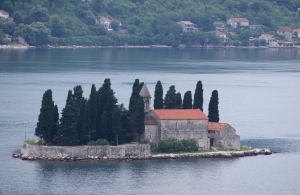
[(162, 124), (4, 14), (187, 26), (238, 22)]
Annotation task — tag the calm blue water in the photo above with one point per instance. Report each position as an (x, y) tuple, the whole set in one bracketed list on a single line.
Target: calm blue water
[(258, 94)]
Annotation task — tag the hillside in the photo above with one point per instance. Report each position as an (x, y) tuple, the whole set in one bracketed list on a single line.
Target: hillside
[(72, 22)]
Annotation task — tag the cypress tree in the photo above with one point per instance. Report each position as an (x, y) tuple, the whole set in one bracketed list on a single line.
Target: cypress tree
[(104, 132), (187, 100), (77, 95), (81, 125), (127, 133), (169, 102), (198, 96), (106, 102), (55, 124), (44, 127), (213, 109), (139, 122), (68, 125), (69, 97), (116, 121), (134, 96), (178, 100), (158, 96), (92, 114)]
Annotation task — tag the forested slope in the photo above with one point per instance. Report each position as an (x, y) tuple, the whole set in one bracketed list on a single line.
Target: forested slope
[(65, 22)]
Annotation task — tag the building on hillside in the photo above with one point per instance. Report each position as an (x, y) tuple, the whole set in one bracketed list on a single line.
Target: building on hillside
[(270, 40), (222, 35), (187, 26), (238, 22), (220, 26), (297, 32), (285, 44), (286, 32), (162, 124), (4, 14)]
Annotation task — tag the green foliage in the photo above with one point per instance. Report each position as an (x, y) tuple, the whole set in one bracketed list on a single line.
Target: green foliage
[(174, 145), (8, 6), (213, 107), (178, 100), (114, 25), (198, 96), (18, 18), (46, 121), (139, 123), (101, 142), (158, 96), (9, 28), (169, 102), (116, 123), (58, 26), (134, 97), (187, 100), (39, 14)]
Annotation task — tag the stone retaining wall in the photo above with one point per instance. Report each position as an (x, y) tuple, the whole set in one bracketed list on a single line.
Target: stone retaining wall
[(83, 152)]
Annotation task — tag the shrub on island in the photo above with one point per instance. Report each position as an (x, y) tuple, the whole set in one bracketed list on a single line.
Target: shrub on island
[(175, 145), (101, 142)]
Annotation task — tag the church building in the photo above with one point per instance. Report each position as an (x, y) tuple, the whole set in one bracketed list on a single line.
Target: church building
[(161, 124)]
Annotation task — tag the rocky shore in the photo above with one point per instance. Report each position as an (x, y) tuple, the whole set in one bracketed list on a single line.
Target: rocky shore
[(217, 154)]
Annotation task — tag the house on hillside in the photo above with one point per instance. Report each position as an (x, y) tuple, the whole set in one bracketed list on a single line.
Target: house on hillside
[(220, 26), (286, 32), (4, 14), (222, 35), (238, 22), (162, 124), (270, 40), (187, 26), (296, 31), (106, 22)]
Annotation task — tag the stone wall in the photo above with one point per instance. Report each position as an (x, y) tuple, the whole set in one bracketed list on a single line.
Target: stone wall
[(113, 152), (186, 129), (226, 139), (151, 133)]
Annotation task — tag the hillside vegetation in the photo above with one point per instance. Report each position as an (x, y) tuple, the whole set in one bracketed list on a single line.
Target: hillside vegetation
[(72, 22)]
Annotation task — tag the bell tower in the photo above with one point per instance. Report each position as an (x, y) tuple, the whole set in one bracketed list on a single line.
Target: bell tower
[(146, 97)]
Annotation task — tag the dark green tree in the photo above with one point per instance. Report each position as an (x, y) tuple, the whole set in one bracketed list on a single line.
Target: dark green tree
[(198, 96), (103, 133), (116, 121), (115, 26), (141, 86), (213, 107), (92, 114), (55, 125), (44, 126), (139, 122), (106, 103), (81, 125), (187, 100), (178, 100), (169, 102), (68, 125), (17, 17), (58, 26), (158, 96), (134, 96)]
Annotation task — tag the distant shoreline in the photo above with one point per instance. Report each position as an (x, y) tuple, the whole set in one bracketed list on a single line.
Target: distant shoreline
[(140, 46)]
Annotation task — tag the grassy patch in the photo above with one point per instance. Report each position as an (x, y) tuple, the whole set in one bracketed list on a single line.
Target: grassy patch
[(35, 142), (245, 148)]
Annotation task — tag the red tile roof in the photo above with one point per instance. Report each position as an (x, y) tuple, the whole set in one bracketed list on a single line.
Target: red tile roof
[(296, 30), (219, 33), (285, 29), (187, 22), (149, 121), (212, 126), (180, 114), (4, 12), (239, 19)]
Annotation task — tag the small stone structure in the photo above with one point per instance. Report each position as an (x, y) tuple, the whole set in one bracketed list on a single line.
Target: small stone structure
[(82, 152), (162, 124)]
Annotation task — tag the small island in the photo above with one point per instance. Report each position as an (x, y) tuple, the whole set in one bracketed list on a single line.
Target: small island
[(98, 129)]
